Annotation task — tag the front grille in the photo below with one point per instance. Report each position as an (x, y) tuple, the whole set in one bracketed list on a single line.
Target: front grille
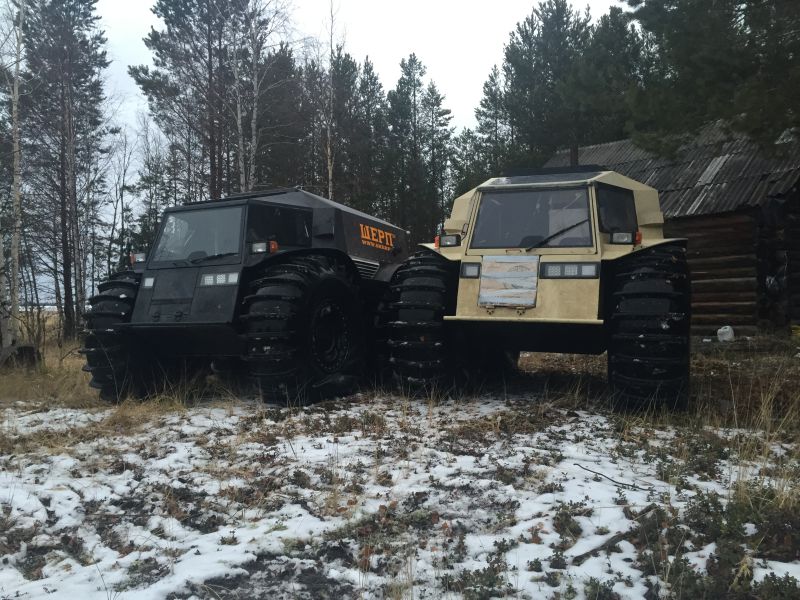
[(366, 268)]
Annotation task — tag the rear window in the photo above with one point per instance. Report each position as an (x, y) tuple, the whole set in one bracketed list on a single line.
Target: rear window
[(616, 209), (287, 226)]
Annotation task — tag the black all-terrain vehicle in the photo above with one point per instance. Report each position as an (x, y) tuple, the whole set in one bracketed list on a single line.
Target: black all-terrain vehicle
[(277, 288)]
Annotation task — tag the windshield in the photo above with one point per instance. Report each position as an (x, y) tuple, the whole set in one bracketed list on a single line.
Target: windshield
[(533, 218), (196, 234)]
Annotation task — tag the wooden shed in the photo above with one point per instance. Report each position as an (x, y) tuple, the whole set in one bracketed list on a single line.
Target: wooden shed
[(740, 210)]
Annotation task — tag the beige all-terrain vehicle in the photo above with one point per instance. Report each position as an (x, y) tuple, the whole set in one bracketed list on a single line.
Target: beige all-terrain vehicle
[(571, 260)]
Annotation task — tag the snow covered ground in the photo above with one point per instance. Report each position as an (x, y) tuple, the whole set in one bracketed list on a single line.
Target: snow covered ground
[(380, 496)]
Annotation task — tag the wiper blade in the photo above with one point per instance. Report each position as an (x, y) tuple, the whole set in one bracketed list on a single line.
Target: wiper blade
[(200, 259), (553, 236)]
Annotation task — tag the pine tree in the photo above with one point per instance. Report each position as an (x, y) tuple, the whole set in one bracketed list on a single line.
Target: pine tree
[(436, 155), (369, 153), (493, 124), (468, 165), (65, 58), (283, 119), (737, 61), (344, 78), (606, 74), (405, 149), (188, 90), (541, 56)]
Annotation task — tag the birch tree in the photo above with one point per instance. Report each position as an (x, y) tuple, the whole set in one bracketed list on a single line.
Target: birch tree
[(65, 58), (9, 273)]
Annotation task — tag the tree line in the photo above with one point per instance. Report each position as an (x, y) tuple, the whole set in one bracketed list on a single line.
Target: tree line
[(236, 104)]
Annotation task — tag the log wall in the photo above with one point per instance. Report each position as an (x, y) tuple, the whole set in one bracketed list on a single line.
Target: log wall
[(793, 257), (723, 259)]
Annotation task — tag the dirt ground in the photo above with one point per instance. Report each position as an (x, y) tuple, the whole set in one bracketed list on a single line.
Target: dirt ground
[(532, 487)]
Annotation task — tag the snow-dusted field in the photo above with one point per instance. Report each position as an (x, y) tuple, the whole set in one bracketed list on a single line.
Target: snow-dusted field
[(375, 497)]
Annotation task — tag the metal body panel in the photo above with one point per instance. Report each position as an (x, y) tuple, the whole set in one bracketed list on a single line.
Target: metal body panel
[(176, 314), (568, 301)]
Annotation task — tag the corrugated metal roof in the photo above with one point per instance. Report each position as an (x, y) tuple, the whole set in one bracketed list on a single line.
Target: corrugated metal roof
[(718, 172)]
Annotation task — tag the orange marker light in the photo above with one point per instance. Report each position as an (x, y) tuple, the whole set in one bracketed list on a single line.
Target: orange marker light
[(436, 241), (273, 247), (637, 239)]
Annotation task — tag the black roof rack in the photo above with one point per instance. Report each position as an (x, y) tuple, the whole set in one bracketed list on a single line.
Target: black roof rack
[(259, 194), (247, 195)]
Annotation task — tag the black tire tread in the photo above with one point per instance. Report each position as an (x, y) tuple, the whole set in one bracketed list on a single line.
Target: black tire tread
[(415, 334), (649, 327), (107, 358), (271, 324)]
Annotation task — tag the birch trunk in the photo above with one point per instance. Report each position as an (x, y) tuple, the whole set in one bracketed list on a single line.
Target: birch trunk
[(5, 312), (237, 86), (256, 48), (329, 144), (11, 330)]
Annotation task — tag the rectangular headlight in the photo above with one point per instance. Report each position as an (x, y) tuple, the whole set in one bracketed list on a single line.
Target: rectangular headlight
[(552, 270), (148, 282), (572, 270), (448, 241), (622, 238), (470, 270), (219, 279)]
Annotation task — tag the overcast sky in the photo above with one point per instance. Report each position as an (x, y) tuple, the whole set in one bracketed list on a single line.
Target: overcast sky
[(457, 40)]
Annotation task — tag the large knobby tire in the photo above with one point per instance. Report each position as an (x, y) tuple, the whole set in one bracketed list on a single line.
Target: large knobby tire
[(420, 352), (108, 358), (305, 339), (649, 328)]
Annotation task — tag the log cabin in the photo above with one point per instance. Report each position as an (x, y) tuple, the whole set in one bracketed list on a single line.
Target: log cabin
[(739, 208)]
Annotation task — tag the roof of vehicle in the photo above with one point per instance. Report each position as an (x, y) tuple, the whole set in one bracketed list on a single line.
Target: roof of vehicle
[(288, 196), (561, 177)]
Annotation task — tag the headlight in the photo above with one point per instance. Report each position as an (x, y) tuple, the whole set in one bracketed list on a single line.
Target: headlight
[(572, 270), (622, 237), (148, 282), (219, 279)]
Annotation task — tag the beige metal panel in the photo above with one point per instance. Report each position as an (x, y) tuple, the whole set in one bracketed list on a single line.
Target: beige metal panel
[(460, 212), (556, 300)]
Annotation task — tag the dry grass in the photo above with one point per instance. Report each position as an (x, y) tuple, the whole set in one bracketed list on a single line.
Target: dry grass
[(59, 381)]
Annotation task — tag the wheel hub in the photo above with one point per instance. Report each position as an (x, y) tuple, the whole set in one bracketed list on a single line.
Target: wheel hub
[(330, 336)]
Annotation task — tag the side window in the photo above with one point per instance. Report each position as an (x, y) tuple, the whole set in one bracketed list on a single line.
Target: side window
[(616, 209), (287, 226)]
